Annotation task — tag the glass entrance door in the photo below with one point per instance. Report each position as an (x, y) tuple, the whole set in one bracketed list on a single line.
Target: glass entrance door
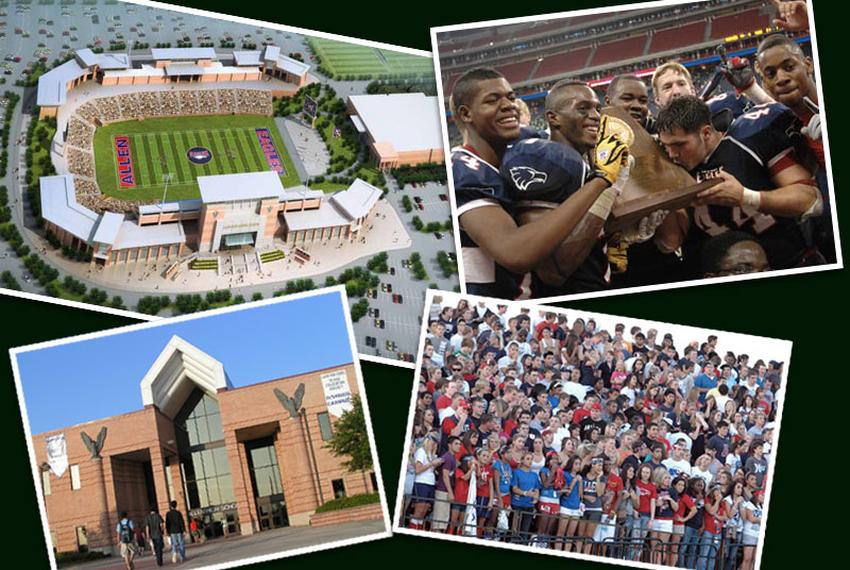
[(268, 491), (271, 512)]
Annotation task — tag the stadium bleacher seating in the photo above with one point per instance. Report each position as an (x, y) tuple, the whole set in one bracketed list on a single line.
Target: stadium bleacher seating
[(619, 50), (678, 36), (732, 24), (131, 106), (557, 64)]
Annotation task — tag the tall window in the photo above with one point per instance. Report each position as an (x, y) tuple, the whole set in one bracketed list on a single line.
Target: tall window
[(200, 439), (75, 477), (339, 488), (325, 426), (266, 471), (45, 482)]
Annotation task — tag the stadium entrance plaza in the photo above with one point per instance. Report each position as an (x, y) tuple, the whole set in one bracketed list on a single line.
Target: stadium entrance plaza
[(235, 548), (241, 268)]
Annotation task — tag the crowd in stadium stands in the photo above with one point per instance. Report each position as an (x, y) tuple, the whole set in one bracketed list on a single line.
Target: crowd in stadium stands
[(80, 162), (131, 106), (588, 30), (538, 429), (87, 117), (80, 133)]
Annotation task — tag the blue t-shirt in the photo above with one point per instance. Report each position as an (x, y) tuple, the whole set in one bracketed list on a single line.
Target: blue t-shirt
[(547, 491), (525, 481), (503, 471), (705, 381), (571, 501)]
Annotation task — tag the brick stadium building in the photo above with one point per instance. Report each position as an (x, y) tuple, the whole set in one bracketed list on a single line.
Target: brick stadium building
[(168, 66), (235, 210), (399, 128), (234, 458)]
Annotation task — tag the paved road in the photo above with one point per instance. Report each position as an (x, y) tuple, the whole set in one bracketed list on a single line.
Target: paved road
[(272, 542)]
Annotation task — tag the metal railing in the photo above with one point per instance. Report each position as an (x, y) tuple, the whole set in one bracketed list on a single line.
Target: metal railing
[(623, 541)]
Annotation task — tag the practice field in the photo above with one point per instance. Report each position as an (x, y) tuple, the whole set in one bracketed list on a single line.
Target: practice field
[(160, 146), (348, 59)]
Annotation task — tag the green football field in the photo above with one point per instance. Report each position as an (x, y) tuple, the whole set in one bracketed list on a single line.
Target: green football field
[(159, 147), (344, 59)]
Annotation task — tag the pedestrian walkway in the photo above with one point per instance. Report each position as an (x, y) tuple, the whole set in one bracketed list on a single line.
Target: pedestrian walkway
[(235, 548)]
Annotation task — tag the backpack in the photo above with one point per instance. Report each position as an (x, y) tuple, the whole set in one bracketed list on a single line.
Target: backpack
[(126, 534)]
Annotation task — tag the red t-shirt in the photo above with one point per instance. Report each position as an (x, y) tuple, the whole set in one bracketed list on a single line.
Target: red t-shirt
[(646, 492), (463, 451), (686, 503), (443, 402), (711, 523), (538, 330), (461, 487), (484, 478), (449, 424), (580, 414), (613, 485)]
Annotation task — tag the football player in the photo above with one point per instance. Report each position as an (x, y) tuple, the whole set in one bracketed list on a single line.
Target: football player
[(672, 79), (788, 75), (496, 251), (630, 93), (541, 174), (764, 191), (639, 263)]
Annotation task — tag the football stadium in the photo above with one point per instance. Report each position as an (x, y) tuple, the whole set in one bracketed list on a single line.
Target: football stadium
[(178, 153), (168, 163)]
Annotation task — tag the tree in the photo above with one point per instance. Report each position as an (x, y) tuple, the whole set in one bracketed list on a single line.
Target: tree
[(350, 439)]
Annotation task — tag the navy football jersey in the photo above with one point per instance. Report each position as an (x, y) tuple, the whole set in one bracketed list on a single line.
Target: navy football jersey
[(478, 184), (529, 132), (544, 173), (539, 170), (737, 104), (756, 144)]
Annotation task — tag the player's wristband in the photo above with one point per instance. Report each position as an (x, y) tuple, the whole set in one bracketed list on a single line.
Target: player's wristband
[(751, 199), (601, 208), (601, 175)]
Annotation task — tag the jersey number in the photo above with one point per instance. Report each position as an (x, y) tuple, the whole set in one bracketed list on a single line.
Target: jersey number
[(760, 222), (471, 162), (758, 113)]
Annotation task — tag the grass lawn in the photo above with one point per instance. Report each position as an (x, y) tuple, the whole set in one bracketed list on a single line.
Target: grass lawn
[(344, 59), (328, 186), (158, 146), (335, 146), (40, 152)]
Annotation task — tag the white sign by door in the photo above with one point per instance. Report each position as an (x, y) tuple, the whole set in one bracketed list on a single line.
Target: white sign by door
[(337, 392)]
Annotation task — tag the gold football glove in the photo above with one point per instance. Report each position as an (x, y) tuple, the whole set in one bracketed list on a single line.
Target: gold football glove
[(610, 153)]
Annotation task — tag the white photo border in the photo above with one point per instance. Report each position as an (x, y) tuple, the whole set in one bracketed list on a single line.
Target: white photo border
[(43, 298), (398, 515), (339, 290), (435, 54)]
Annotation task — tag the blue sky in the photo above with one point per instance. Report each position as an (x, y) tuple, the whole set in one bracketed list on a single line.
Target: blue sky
[(97, 378)]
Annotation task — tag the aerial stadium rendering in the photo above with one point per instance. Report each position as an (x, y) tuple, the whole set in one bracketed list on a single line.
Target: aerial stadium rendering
[(244, 162)]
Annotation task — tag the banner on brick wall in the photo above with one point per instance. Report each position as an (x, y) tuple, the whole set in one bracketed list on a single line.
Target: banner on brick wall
[(337, 392), (57, 454)]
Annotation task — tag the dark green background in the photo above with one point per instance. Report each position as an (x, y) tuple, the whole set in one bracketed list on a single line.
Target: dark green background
[(808, 506)]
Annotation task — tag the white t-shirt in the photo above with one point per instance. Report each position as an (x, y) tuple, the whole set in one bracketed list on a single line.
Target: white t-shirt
[(704, 475), (676, 467), (751, 528), (575, 389), (426, 477), (562, 432)]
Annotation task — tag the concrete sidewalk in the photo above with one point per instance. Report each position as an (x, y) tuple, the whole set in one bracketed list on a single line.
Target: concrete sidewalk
[(233, 549)]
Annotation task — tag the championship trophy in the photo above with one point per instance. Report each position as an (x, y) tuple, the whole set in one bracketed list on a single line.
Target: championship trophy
[(655, 182)]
